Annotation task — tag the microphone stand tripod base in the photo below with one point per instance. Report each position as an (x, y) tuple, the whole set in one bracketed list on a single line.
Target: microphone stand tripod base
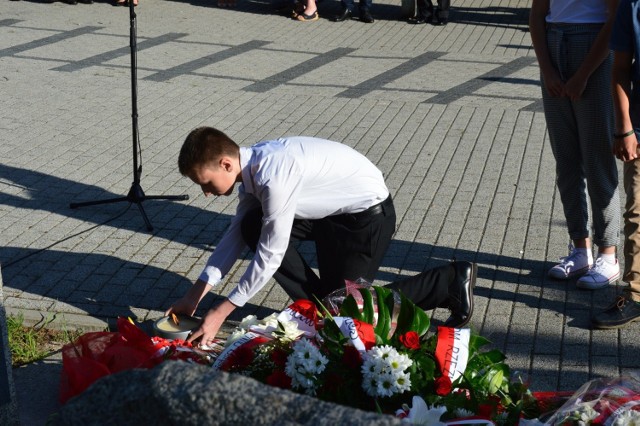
[(136, 195)]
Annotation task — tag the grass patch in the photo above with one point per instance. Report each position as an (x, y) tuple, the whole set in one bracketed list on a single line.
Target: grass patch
[(30, 344)]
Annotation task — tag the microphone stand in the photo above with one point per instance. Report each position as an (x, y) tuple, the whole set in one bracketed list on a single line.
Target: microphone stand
[(136, 194)]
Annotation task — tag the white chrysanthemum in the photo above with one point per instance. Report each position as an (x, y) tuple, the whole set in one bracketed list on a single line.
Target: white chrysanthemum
[(372, 365), (370, 385), (398, 362), (585, 413), (462, 412), (386, 384), (628, 418), (383, 372), (402, 382), (304, 364), (382, 352)]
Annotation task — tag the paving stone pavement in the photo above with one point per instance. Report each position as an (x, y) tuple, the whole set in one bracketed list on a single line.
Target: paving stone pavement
[(452, 115)]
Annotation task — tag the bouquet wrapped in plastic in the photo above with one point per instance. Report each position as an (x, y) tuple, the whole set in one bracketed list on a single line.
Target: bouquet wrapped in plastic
[(97, 354), (601, 402)]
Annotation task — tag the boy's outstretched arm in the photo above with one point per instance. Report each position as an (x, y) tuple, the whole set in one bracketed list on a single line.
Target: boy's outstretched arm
[(211, 323)]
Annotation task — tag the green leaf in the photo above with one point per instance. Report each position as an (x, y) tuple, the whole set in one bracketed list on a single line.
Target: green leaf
[(405, 317), (385, 307), (350, 308), (476, 342), (367, 305), (411, 318), (494, 356), (495, 378)]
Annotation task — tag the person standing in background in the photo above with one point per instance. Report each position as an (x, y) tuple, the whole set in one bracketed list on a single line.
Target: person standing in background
[(427, 13), (571, 42), (625, 42)]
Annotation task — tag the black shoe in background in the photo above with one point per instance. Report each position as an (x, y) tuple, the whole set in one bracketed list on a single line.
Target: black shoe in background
[(620, 313), (418, 20), (346, 14), (365, 16), (439, 21)]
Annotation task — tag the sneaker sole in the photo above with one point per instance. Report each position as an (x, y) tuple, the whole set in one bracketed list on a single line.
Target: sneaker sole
[(612, 326), (586, 285), (570, 275)]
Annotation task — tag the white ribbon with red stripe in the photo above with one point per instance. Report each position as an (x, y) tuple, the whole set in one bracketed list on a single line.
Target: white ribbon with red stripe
[(452, 351)]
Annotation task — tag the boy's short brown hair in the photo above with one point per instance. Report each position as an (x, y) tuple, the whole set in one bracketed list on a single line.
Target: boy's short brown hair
[(205, 145)]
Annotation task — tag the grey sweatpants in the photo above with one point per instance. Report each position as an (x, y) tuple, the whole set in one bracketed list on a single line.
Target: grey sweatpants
[(581, 135)]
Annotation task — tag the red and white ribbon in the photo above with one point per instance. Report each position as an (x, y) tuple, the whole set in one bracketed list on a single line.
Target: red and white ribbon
[(452, 351), (304, 313), (361, 334), (250, 339)]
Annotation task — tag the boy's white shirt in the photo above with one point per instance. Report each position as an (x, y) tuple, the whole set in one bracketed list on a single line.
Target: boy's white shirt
[(291, 178)]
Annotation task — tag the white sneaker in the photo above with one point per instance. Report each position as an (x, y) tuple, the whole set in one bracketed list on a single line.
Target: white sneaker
[(577, 263), (601, 275)]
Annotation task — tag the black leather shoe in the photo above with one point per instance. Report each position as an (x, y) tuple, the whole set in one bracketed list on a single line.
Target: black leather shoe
[(461, 294), (366, 17), (439, 21), (621, 312), (417, 20), (346, 14)]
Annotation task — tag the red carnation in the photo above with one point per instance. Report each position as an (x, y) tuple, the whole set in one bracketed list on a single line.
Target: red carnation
[(240, 358), (410, 340), (279, 379), (443, 385), (279, 357)]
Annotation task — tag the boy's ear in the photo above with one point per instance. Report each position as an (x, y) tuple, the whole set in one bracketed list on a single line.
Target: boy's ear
[(225, 163)]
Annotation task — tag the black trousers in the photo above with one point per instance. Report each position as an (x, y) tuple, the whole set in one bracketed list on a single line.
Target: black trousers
[(426, 9), (348, 247)]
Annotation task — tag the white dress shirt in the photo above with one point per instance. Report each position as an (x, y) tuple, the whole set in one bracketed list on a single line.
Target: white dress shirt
[(291, 178)]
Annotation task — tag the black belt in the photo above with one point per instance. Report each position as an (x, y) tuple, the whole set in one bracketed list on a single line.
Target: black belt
[(373, 210)]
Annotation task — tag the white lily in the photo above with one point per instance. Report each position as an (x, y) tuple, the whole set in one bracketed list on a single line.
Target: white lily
[(421, 414)]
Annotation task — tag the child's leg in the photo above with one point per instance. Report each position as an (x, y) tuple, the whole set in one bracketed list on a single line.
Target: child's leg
[(594, 113)]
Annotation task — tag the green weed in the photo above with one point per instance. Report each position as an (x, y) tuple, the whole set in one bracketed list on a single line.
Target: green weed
[(30, 344)]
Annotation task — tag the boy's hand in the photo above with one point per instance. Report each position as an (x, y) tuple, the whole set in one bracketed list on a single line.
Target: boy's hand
[(626, 149), (189, 302), (211, 323)]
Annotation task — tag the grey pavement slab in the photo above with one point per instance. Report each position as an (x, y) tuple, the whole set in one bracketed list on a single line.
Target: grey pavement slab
[(451, 115)]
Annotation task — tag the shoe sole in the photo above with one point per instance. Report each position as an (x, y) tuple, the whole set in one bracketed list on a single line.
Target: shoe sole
[(472, 284), (613, 326), (585, 285), (574, 274)]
